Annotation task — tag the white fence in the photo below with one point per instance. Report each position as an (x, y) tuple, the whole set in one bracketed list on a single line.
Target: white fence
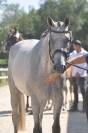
[(3, 73)]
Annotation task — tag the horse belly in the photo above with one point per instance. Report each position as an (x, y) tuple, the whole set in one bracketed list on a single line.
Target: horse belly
[(20, 76)]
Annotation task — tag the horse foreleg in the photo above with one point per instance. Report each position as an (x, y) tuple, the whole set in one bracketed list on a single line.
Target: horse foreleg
[(58, 101), (43, 103)]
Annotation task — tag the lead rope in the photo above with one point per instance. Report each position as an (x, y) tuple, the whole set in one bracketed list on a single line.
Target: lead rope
[(77, 66)]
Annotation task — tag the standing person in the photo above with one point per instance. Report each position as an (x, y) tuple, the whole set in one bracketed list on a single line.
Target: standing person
[(78, 60), (13, 37), (78, 75)]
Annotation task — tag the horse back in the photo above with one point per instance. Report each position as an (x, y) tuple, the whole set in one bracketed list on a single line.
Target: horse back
[(18, 62)]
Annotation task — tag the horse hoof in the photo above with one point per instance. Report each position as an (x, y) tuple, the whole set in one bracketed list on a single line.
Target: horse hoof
[(30, 112)]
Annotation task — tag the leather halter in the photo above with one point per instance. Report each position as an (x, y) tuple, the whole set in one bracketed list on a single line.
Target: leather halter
[(58, 50)]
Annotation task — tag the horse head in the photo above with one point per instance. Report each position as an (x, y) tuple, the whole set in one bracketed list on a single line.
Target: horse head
[(59, 42)]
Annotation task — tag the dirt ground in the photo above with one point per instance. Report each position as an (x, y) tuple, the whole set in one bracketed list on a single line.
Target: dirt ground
[(73, 122)]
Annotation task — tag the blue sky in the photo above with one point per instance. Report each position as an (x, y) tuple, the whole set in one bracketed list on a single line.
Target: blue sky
[(26, 3)]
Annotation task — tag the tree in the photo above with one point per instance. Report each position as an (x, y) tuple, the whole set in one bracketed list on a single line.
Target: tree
[(76, 10), (11, 15), (33, 23)]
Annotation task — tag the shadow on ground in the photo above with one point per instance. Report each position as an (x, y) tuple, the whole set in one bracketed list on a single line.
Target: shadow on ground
[(5, 113), (77, 121)]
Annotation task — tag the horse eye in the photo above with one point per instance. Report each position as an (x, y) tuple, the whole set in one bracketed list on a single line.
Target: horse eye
[(66, 40)]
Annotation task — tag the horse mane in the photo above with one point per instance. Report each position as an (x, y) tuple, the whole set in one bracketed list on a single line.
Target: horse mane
[(45, 33)]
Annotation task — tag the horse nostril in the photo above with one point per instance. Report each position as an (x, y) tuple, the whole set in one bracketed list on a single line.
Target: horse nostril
[(55, 67), (59, 68)]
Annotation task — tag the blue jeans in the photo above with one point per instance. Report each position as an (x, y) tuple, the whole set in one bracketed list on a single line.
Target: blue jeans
[(78, 83)]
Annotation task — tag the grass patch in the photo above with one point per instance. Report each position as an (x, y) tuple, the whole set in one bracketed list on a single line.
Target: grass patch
[(3, 61)]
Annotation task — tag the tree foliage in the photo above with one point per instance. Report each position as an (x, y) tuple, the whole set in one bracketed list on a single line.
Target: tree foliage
[(31, 24)]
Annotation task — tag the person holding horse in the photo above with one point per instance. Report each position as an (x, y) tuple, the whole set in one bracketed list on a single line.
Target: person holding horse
[(78, 60), (78, 75), (13, 37)]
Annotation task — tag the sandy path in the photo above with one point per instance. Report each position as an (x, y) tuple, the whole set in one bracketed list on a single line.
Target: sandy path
[(70, 122)]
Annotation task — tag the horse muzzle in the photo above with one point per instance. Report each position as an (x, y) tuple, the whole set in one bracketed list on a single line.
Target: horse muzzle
[(59, 68)]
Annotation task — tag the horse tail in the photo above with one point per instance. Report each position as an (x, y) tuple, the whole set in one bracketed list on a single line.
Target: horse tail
[(21, 112)]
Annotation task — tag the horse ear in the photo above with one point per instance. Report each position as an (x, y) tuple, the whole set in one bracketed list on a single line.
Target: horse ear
[(50, 21), (66, 21)]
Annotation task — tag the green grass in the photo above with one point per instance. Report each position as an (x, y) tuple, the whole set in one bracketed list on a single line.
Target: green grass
[(3, 61)]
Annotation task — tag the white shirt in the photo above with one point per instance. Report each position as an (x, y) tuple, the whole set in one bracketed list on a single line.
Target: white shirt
[(17, 35), (75, 70)]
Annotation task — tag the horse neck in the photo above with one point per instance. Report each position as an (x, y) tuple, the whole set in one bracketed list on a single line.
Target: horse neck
[(43, 54), (45, 60)]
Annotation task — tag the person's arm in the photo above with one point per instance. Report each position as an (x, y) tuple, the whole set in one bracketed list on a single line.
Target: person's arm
[(77, 60)]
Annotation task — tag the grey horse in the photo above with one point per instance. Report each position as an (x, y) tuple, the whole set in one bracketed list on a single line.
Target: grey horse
[(29, 68)]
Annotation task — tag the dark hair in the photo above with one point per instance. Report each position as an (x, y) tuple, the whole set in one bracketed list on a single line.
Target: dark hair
[(76, 42), (13, 27)]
